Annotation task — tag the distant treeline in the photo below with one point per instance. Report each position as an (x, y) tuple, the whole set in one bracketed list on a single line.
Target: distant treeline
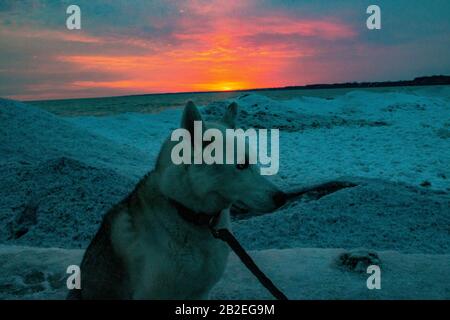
[(419, 81)]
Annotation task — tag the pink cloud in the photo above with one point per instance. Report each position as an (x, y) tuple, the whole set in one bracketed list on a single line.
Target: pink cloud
[(214, 47)]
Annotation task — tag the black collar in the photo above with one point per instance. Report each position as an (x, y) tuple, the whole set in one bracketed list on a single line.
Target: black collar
[(197, 218)]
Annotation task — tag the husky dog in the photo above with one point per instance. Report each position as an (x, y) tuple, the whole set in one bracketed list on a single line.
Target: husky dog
[(147, 249)]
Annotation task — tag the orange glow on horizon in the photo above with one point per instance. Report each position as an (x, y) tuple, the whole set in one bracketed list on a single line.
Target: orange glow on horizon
[(144, 47), (224, 86), (228, 54)]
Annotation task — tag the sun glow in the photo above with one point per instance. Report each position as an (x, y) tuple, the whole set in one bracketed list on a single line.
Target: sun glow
[(229, 55), (223, 86), (213, 52)]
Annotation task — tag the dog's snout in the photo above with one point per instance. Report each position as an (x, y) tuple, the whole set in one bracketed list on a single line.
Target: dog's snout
[(279, 198)]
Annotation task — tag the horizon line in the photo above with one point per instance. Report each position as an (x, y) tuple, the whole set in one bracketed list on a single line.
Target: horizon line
[(313, 86)]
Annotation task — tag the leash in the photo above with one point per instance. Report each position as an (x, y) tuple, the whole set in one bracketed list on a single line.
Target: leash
[(226, 236), (204, 219)]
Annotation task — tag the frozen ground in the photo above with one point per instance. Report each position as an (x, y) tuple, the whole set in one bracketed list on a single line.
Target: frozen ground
[(59, 176), (308, 273), (39, 273)]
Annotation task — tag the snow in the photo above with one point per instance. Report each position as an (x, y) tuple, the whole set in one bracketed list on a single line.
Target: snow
[(375, 214), (392, 136), (57, 180), (402, 137), (40, 273), (59, 175), (58, 202), (31, 135), (35, 273), (317, 274)]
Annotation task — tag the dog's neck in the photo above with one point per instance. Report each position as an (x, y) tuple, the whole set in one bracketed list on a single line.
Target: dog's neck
[(147, 190), (196, 218)]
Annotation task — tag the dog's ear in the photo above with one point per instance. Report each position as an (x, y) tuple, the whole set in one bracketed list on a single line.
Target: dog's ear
[(229, 118), (190, 114)]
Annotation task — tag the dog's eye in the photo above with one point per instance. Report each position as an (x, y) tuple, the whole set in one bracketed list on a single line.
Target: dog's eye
[(242, 166)]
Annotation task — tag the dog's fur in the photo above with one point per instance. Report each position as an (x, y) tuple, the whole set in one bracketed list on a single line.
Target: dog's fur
[(145, 250)]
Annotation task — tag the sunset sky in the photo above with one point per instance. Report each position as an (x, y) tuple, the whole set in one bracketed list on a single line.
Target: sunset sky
[(134, 47)]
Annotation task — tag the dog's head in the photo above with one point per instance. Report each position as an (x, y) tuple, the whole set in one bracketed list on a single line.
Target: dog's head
[(213, 187)]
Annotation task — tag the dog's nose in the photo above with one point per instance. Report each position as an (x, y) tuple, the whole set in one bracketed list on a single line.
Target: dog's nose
[(279, 198)]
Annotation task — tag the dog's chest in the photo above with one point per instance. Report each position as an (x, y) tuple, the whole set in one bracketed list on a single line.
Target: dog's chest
[(182, 262)]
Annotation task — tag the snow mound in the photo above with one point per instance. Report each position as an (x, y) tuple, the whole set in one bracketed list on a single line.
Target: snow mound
[(397, 136), (145, 132), (258, 111), (375, 214), (59, 202), (30, 135), (58, 179), (38, 273), (376, 105)]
